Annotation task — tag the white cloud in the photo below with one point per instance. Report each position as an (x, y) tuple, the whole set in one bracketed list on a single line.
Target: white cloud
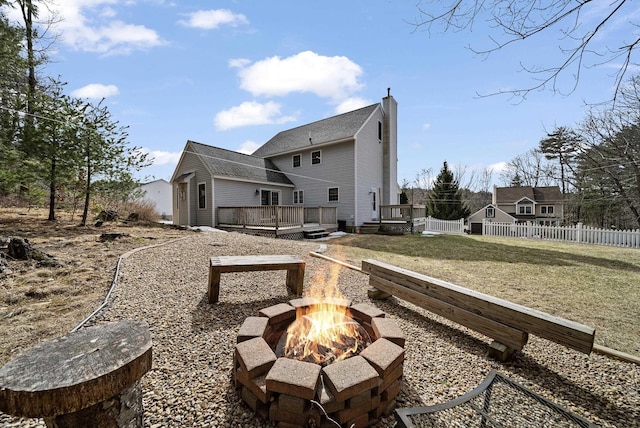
[(91, 25), (351, 104), (212, 19), (333, 77), (426, 126), (96, 91), (159, 157), (250, 113), (248, 147), (498, 167)]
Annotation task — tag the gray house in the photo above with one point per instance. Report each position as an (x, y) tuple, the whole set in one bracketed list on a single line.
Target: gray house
[(345, 165)]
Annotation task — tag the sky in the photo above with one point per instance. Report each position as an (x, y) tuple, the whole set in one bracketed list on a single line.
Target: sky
[(232, 74)]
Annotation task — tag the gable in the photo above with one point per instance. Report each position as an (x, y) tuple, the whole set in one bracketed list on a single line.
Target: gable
[(333, 129)]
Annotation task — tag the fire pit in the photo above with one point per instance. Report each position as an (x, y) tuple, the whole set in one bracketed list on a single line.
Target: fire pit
[(310, 362)]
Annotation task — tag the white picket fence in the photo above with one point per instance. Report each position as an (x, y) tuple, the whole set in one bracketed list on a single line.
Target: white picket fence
[(579, 233), (444, 226)]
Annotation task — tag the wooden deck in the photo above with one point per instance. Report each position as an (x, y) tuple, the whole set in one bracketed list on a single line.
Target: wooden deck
[(277, 220)]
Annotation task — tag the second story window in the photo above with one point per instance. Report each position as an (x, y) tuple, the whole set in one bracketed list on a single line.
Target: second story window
[(524, 209), (316, 157), (379, 130), (297, 160), (546, 209), (490, 212)]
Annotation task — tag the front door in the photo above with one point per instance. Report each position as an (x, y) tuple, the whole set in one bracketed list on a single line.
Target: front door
[(183, 204)]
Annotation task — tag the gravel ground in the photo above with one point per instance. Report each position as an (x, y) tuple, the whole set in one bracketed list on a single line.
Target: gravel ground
[(190, 383)]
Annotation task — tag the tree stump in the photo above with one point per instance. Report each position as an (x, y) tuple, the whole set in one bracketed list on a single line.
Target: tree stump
[(87, 378)]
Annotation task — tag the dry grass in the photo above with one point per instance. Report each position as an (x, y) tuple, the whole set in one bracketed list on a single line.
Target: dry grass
[(37, 303), (593, 285)]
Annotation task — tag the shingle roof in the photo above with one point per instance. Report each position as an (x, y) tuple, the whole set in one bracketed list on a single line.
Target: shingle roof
[(334, 128), (227, 163), (505, 195)]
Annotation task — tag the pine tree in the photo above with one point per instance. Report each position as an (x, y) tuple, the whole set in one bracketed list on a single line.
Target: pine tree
[(445, 199)]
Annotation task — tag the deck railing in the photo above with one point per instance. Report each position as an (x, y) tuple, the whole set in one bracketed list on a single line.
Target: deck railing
[(402, 212), (321, 215), (276, 216)]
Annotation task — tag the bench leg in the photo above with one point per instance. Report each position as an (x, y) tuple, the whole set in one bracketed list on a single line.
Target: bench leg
[(214, 285), (295, 279)]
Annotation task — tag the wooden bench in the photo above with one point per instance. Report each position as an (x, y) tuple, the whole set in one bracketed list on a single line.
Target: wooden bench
[(508, 323), (223, 264)]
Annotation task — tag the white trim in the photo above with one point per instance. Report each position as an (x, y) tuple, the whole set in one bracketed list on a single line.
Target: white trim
[(314, 151), (271, 191), (258, 182), (328, 193), (204, 183)]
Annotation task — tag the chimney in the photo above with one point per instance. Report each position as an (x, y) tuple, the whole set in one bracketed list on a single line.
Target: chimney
[(389, 150)]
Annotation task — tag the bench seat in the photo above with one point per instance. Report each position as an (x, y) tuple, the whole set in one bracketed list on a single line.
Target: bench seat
[(224, 264)]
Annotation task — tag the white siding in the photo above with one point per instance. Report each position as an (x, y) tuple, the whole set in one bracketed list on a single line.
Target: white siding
[(369, 171), (336, 170), (186, 216), (232, 193)]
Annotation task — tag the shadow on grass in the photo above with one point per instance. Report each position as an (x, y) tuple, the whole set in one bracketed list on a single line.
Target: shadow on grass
[(453, 247)]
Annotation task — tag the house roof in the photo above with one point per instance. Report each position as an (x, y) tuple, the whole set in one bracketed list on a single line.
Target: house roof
[(335, 128), (505, 195), (227, 163)]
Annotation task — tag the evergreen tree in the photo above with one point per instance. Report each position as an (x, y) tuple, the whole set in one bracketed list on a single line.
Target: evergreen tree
[(445, 199), (562, 144)]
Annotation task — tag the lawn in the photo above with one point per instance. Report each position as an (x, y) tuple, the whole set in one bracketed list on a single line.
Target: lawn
[(593, 285)]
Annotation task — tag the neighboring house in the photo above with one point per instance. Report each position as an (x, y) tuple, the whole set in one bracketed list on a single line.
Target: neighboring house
[(541, 205), (159, 193), (488, 213), (348, 161)]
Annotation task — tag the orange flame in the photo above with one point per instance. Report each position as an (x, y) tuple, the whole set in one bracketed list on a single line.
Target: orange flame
[(325, 332)]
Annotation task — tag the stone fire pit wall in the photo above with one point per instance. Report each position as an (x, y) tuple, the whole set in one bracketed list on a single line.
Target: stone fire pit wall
[(356, 391)]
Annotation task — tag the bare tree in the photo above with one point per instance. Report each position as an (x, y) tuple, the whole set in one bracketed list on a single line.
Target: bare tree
[(529, 169), (610, 150), (514, 21)]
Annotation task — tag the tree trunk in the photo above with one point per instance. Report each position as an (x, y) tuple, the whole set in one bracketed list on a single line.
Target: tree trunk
[(52, 191), (87, 196)]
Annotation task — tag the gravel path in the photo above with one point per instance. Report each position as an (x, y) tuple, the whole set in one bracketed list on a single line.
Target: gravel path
[(190, 383)]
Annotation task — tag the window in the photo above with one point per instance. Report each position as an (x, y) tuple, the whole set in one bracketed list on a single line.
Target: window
[(489, 212), (333, 194), (269, 197), (298, 197), (379, 130), (177, 197), (297, 159), (315, 157), (202, 195), (524, 209), (546, 209)]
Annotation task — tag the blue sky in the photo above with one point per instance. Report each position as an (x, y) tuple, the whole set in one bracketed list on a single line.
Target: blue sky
[(234, 73)]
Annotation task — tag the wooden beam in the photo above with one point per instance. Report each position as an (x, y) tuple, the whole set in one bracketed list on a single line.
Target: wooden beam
[(565, 332), (504, 334)]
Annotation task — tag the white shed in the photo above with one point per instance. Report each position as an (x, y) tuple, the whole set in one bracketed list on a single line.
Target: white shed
[(160, 193)]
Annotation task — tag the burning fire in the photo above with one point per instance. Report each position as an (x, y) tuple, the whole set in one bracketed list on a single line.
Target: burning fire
[(324, 332)]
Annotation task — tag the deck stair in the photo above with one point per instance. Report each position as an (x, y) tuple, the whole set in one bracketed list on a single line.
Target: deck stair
[(315, 233), (370, 227)]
